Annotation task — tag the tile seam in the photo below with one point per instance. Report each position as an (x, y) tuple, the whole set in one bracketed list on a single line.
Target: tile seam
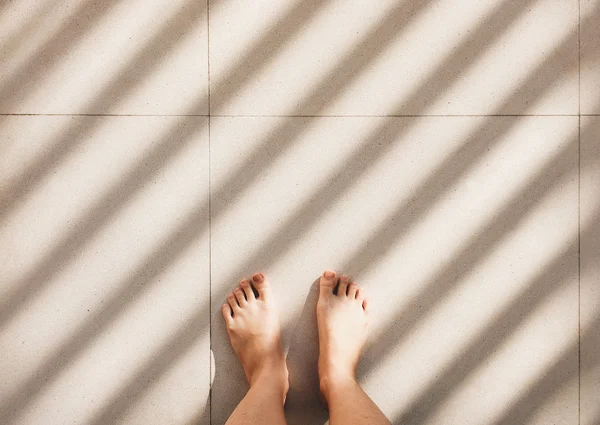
[(102, 115), (391, 116), (301, 116), (210, 300), (579, 218)]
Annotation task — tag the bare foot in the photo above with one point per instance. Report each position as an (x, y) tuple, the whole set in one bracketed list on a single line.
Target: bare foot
[(253, 327), (342, 322)]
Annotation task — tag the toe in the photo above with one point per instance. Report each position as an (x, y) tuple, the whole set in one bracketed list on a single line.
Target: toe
[(352, 290), (360, 294), (245, 285), (261, 285), (343, 288), (227, 314), (233, 303), (327, 282), (239, 296)]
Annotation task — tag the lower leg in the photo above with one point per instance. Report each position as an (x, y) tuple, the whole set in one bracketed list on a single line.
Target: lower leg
[(253, 326), (342, 320), (349, 404), (263, 404)]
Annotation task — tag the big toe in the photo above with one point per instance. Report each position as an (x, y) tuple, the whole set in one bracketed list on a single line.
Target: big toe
[(327, 282)]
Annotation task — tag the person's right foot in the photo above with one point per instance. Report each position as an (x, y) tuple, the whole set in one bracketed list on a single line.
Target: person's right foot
[(253, 328), (342, 323)]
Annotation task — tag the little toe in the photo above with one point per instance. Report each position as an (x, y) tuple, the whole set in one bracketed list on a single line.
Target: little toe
[(245, 285), (227, 314), (327, 282), (262, 286), (360, 294)]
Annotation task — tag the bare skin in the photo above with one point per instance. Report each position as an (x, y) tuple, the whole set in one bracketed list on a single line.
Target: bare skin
[(254, 330), (253, 326), (342, 318)]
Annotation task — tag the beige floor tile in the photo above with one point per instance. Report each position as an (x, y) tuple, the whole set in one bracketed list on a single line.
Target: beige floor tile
[(108, 57), (463, 231), (590, 57), (104, 302), (590, 270), (401, 57)]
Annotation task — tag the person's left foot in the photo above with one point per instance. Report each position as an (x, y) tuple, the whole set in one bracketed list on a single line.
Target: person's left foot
[(255, 334)]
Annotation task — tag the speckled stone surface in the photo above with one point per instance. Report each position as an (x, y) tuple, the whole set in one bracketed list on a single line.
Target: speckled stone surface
[(402, 57), (104, 57), (463, 231), (104, 299), (590, 56), (445, 154), (590, 270)]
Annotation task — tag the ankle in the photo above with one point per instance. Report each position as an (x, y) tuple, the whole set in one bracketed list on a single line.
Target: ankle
[(335, 381), (273, 375)]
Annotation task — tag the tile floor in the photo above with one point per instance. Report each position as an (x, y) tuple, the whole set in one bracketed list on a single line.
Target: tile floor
[(446, 154)]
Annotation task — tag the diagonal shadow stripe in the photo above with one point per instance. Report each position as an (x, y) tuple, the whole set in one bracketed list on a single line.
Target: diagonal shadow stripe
[(368, 152), (73, 346), (542, 78), (144, 62), (25, 79), (280, 139), (562, 372), (462, 263), (177, 138), (151, 56), (263, 52), (22, 33), (462, 159), (249, 171), (480, 245), (445, 176), (164, 358), (121, 192), (72, 244), (504, 324), (491, 338), (131, 288)]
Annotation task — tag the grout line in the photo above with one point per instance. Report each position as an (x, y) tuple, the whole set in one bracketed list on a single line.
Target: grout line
[(299, 116), (579, 54), (210, 367), (579, 220), (579, 271), (392, 116), (103, 115)]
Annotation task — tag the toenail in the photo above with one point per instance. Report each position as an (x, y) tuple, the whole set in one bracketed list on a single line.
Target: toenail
[(244, 282), (345, 277), (329, 274), (258, 277)]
